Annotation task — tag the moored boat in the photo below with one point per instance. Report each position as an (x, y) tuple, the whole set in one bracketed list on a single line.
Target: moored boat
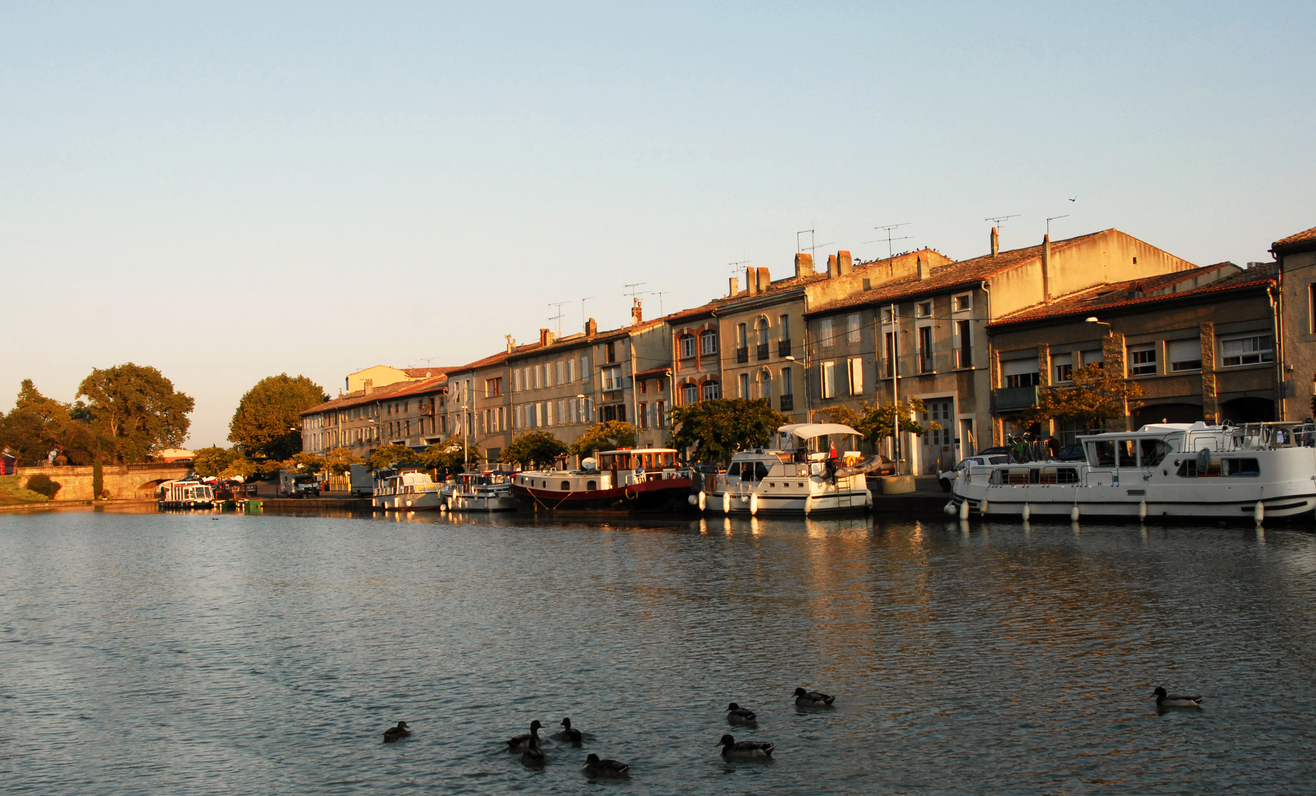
[(187, 493), (628, 479), (489, 490), (1162, 470), (406, 490)]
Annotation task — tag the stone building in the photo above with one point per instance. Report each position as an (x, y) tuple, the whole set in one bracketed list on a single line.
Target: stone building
[(406, 412), (1297, 262)]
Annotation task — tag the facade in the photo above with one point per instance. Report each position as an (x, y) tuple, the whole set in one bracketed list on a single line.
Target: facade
[(1297, 263), (1200, 344), (404, 413), (383, 375)]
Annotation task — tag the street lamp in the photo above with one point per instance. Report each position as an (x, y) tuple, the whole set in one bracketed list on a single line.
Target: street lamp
[(1109, 331)]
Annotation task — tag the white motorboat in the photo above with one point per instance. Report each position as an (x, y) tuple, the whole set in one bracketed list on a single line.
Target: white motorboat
[(407, 490), (815, 467), (1168, 470), (479, 491)]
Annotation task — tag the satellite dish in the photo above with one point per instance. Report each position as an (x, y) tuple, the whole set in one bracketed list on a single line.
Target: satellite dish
[(588, 463)]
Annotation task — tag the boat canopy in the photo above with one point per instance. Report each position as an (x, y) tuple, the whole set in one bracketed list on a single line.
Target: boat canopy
[(808, 431)]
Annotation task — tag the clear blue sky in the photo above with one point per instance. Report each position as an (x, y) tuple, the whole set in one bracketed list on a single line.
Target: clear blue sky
[(251, 189)]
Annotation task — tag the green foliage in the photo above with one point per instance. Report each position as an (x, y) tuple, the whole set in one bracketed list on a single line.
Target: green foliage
[(340, 460), (450, 457), (876, 423), (533, 448), (11, 492), (608, 435), (715, 429), (43, 485), (240, 467), (212, 461), (134, 410), (1093, 397), (392, 456), (268, 420), (304, 463), (35, 427)]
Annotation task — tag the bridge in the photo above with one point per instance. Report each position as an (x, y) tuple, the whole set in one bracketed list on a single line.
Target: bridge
[(122, 481)]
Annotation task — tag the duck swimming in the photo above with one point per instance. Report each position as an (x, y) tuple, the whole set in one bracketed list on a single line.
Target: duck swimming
[(745, 750), (530, 739), (738, 715), (1164, 700), (812, 699), (570, 735), (394, 733), (604, 768), (533, 756)]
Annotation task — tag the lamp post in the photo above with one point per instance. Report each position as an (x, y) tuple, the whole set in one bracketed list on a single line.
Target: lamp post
[(1109, 331)]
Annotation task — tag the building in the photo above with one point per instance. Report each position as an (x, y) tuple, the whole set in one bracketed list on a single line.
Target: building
[(403, 413), (384, 375), (1296, 255)]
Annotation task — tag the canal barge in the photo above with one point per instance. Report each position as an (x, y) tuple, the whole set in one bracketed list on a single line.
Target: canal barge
[(406, 490), (187, 493), (1162, 470), (627, 479), (489, 490), (803, 474)]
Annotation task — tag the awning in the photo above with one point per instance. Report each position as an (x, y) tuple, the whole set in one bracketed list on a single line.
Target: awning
[(812, 430)]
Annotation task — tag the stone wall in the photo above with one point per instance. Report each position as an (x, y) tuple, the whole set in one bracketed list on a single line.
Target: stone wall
[(123, 482)]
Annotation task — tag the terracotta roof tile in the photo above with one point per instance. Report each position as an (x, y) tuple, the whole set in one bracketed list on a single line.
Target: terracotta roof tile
[(387, 392), (1304, 237)]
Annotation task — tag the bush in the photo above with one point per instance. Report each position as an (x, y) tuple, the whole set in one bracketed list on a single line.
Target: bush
[(42, 485)]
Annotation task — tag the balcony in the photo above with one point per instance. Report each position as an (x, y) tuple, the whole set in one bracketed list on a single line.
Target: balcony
[(1009, 398), (742, 355), (762, 352), (783, 348), (787, 403)]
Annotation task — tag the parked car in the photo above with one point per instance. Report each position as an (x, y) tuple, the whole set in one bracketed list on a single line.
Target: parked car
[(947, 479)]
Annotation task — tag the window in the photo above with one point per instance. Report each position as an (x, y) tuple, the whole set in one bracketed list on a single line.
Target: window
[(708, 342), (642, 415), (765, 384), (571, 370), (1184, 354), (962, 302), (964, 329), (687, 346), (852, 327), (787, 386), (763, 331), (539, 376), (856, 373), (584, 367), (925, 349), (744, 385), (890, 359), (825, 331), (711, 390), (1063, 366), (888, 313), (828, 379), (1311, 308), (611, 379), (742, 337), (660, 414), (689, 394), (493, 388), (923, 310), (1142, 360), (611, 350), (1020, 373), (1247, 350), (561, 372), (784, 325)]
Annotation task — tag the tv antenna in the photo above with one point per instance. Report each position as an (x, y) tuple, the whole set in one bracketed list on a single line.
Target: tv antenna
[(1053, 218), (889, 228), (736, 268), (632, 291), (660, 294), (813, 247), (582, 310), (557, 317)]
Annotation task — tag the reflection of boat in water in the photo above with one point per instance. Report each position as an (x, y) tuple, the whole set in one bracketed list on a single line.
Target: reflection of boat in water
[(632, 479), (479, 491), (406, 490), (186, 494), (1161, 470), (802, 475)]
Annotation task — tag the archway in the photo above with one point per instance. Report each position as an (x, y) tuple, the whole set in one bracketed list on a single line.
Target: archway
[(1248, 410), (148, 490)]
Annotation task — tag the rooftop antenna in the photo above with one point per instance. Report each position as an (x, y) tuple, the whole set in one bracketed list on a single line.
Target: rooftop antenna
[(999, 220), (582, 310), (736, 268), (557, 317), (1049, 220), (889, 228), (632, 291), (660, 294), (813, 247)]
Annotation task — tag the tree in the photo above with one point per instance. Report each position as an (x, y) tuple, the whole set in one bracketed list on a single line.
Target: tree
[(715, 429), (877, 422), (305, 462), (268, 421), (212, 461), (1093, 397), (392, 456), (35, 427), (340, 460), (135, 410), (533, 448), (450, 456), (604, 436)]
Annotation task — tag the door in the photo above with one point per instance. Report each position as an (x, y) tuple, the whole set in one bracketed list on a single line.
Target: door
[(937, 452)]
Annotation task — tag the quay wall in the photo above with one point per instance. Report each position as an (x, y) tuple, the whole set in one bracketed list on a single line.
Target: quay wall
[(122, 481)]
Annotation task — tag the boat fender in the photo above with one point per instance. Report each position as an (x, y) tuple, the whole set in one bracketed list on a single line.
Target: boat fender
[(744, 498), (949, 508), (1142, 510), (726, 502), (693, 500), (1027, 512), (808, 505), (983, 507), (1073, 513), (964, 510), (1259, 512), (703, 500), (868, 498), (753, 503)]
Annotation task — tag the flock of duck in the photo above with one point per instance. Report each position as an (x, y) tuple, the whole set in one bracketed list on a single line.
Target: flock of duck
[(532, 754)]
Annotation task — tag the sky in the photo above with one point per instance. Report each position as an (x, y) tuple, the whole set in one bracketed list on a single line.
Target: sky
[(232, 191)]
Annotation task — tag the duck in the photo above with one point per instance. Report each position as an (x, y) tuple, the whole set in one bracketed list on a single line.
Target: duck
[(394, 733), (738, 715), (812, 699), (526, 741), (745, 750), (533, 756), (1164, 700), (570, 735), (604, 768)]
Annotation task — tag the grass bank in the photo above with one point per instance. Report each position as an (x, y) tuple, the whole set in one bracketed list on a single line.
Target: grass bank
[(12, 494)]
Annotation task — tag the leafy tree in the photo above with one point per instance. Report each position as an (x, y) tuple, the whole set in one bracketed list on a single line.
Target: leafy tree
[(1093, 397), (212, 461), (877, 422), (392, 456), (268, 420), (135, 410), (306, 462), (533, 448), (450, 456), (35, 428), (604, 436), (715, 429), (240, 467), (340, 460)]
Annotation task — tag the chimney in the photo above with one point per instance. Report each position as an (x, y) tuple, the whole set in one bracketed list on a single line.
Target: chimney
[(733, 287), (751, 282), (803, 264), (1046, 269), (844, 263), (368, 385), (591, 327), (923, 269), (545, 337), (764, 280), (637, 314), (996, 242), (511, 343), (833, 270)]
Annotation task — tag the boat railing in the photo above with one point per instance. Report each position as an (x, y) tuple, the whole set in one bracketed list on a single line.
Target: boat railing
[(1272, 435)]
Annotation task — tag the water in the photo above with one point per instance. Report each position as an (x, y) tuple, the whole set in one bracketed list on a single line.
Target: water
[(144, 653)]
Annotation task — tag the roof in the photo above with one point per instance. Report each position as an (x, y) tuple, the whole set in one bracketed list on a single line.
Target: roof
[(663, 371), (1303, 240), (1140, 292), (425, 373), (387, 392), (947, 277), (811, 430)]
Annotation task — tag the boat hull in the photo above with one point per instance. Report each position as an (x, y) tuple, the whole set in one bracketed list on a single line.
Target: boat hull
[(833, 502), (668, 494)]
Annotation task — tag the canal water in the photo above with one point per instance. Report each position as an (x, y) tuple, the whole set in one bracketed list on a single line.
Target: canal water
[(199, 654)]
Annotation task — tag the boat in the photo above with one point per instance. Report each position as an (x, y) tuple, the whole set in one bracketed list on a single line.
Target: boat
[(406, 490), (803, 474), (186, 493), (627, 479), (489, 490), (1162, 470)]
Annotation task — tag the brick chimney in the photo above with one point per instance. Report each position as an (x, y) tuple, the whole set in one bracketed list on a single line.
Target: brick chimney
[(545, 337), (833, 270), (803, 264), (1046, 269), (923, 269), (733, 287), (637, 314), (368, 385), (591, 327), (844, 263), (764, 280), (996, 242), (511, 343), (751, 282)]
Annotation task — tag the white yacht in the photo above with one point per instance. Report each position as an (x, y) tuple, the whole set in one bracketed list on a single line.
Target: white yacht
[(479, 491), (815, 467), (1168, 470), (406, 490)]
